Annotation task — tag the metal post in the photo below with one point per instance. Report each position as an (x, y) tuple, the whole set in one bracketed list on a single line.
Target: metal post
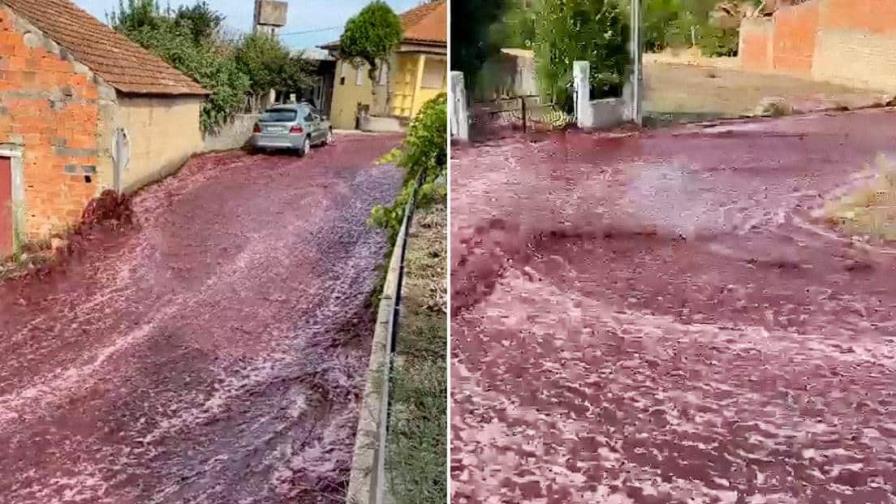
[(523, 108), (637, 62)]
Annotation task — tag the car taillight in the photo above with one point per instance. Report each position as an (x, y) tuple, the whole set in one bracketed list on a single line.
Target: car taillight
[(257, 128), (296, 130)]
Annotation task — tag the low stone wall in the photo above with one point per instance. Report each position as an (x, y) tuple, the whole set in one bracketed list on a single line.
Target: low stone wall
[(232, 135), (608, 113), (603, 113)]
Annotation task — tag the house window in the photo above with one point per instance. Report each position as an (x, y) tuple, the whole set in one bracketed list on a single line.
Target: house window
[(433, 74), (359, 77), (342, 72), (383, 74)]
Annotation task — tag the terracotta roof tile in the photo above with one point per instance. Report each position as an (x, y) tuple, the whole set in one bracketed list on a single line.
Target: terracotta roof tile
[(122, 63), (427, 23)]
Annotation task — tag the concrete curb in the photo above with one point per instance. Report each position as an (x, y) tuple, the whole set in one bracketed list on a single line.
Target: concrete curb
[(367, 481)]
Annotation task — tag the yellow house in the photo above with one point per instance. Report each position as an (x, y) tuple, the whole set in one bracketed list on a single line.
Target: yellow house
[(417, 71)]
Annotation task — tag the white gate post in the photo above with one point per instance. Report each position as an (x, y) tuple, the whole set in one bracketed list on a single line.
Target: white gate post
[(637, 63), (580, 71), (460, 123)]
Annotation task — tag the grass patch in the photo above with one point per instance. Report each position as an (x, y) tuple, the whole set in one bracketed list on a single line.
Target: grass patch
[(417, 451), (870, 211)]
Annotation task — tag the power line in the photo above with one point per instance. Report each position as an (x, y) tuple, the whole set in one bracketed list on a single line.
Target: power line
[(316, 30)]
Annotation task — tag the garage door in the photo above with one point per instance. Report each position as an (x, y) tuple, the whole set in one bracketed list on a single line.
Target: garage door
[(6, 240)]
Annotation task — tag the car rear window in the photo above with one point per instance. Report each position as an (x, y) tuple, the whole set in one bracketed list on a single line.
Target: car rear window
[(278, 115)]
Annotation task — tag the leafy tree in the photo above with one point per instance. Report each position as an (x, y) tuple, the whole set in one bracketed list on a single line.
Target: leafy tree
[(424, 158), (517, 28), (270, 65), (682, 23), (187, 40), (202, 22), (590, 30), (136, 14), (371, 36), (471, 43)]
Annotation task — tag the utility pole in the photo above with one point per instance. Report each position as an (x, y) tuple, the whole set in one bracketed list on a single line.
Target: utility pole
[(637, 63)]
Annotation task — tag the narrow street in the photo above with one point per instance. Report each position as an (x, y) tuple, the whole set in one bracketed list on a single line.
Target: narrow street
[(213, 353), (658, 318)]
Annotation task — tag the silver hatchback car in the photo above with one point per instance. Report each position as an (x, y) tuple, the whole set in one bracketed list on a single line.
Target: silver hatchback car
[(296, 127)]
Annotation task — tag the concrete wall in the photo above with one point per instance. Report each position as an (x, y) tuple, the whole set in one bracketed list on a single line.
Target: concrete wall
[(163, 133), (598, 114), (348, 93), (49, 113), (509, 73), (232, 135), (850, 42)]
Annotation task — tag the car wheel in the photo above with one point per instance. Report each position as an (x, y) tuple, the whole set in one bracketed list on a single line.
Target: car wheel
[(329, 139), (306, 147)]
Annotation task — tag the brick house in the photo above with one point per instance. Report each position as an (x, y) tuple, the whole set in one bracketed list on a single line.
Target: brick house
[(82, 109)]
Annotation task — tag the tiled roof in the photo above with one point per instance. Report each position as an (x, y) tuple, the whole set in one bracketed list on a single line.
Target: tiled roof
[(122, 63), (424, 24), (427, 23)]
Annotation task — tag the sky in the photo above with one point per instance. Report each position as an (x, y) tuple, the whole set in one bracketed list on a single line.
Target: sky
[(303, 15)]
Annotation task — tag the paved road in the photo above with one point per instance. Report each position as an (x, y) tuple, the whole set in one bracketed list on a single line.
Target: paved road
[(213, 354), (657, 318)]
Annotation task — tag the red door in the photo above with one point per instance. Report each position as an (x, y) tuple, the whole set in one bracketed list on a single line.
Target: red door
[(6, 242)]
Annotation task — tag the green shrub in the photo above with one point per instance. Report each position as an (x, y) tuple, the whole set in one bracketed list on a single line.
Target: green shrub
[(187, 39), (589, 30), (683, 23), (270, 65), (424, 158), (212, 67)]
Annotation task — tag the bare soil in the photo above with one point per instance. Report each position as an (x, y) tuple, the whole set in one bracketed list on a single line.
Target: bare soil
[(695, 91)]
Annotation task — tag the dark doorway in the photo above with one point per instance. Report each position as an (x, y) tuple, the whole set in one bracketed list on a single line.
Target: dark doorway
[(6, 211)]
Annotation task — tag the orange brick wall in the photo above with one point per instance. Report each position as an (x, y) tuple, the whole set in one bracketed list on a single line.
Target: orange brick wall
[(756, 45), (851, 42), (795, 29), (874, 16), (48, 109)]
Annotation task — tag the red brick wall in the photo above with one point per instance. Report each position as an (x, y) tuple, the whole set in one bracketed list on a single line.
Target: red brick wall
[(756, 45), (51, 111), (795, 29), (874, 16)]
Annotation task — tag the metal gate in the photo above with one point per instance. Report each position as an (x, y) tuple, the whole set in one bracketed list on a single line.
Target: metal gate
[(519, 113)]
